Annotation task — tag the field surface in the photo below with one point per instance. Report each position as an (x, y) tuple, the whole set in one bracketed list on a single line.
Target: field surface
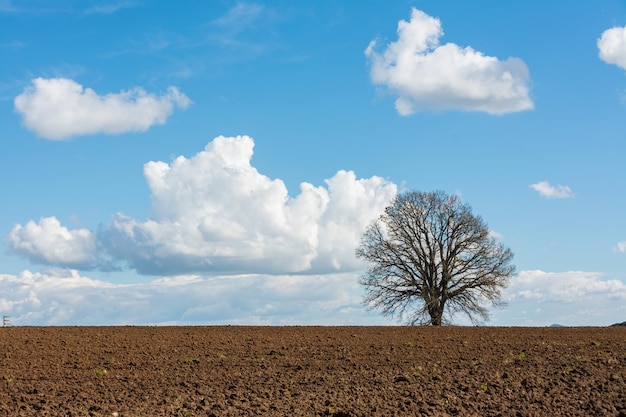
[(312, 371)]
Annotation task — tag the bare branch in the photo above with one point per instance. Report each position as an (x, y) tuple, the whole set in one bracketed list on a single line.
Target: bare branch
[(431, 258)]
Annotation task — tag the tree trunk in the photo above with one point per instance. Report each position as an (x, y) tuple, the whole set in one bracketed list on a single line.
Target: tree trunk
[(436, 314)]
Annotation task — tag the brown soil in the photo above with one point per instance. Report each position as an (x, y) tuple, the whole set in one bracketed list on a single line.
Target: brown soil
[(312, 371)]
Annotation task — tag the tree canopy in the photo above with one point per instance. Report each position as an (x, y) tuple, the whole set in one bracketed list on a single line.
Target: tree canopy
[(430, 259)]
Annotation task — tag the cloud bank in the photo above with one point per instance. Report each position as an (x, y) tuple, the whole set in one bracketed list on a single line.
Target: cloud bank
[(426, 75), (59, 108), (612, 46), (215, 213), (545, 189), (64, 297), (573, 298)]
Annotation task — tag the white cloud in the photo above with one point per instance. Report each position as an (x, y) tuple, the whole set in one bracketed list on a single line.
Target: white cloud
[(612, 46), (569, 298), (496, 235), (59, 108), (425, 75), (620, 247), (549, 191), (63, 297), (48, 242), (565, 287), (216, 213)]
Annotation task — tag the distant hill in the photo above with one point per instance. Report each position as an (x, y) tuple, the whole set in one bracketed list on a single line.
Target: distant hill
[(619, 324)]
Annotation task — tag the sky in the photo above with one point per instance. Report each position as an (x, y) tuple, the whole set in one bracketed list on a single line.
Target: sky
[(198, 163)]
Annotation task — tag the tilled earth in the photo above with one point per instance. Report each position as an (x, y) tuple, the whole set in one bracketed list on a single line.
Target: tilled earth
[(312, 371)]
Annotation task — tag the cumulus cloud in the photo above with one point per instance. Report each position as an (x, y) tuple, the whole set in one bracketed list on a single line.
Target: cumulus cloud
[(214, 212), (572, 298), (545, 189), (64, 297), (612, 46), (59, 108), (620, 247), (426, 75), (49, 243)]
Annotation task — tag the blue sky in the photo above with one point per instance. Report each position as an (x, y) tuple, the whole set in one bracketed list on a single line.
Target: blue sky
[(217, 162)]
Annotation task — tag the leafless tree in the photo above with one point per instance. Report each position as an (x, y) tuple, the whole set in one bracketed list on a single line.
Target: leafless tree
[(430, 259)]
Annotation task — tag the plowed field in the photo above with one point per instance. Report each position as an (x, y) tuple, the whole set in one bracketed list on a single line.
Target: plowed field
[(312, 371)]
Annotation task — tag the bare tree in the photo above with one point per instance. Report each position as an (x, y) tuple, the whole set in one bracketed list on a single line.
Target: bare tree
[(430, 258)]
